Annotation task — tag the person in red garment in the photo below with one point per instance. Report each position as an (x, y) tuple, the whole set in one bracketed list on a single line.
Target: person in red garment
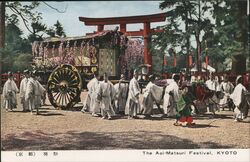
[(184, 108)]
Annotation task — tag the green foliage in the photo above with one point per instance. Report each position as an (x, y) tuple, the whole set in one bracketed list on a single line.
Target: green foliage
[(225, 38), (32, 20), (13, 36), (185, 19), (59, 29), (22, 62), (17, 53), (16, 56), (27, 9), (51, 32), (14, 41), (25, 12), (15, 45), (7, 56), (38, 30), (157, 61), (56, 31), (231, 25)]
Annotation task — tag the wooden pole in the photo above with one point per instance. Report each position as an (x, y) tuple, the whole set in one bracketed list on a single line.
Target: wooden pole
[(147, 56), (123, 28), (2, 35), (206, 58), (190, 61), (100, 28)]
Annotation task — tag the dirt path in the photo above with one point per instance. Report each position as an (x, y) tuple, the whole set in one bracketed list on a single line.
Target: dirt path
[(73, 130)]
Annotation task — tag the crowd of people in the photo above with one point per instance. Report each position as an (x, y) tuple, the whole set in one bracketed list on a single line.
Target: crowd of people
[(31, 92), (176, 98)]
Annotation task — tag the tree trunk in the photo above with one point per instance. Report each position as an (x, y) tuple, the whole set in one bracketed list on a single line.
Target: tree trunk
[(187, 45), (198, 51), (187, 39), (2, 35), (2, 24), (198, 39)]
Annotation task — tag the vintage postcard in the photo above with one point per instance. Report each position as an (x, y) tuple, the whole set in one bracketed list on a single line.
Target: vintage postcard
[(125, 81)]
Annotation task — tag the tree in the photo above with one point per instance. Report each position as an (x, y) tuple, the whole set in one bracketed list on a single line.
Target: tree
[(51, 32), (38, 29), (25, 12), (179, 10), (226, 38), (7, 58), (2, 24), (59, 29), (14, 42), (189, 14), (13, 36), (232, 25), (22, 62), (15, 46), (2, 29), (56, 31)]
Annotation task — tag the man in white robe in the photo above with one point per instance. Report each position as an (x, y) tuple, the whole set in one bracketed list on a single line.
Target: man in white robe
[(210, 83), (133, 105), (87, 101), (30, 92), (171, 96), (121, 90), (152, 93), (39, 92), (9, 93), (236, 96), (214, 86), (23, 87), (105, 96), (227, 88), (94, 104)]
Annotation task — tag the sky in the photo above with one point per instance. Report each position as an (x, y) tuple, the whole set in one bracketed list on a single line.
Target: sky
[(74, 9)]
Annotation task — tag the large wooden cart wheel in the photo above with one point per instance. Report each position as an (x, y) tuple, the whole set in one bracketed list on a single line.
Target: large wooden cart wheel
[(64, 86)]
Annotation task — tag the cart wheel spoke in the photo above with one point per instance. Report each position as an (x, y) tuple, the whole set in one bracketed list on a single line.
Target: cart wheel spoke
[(64, 86), (56, 95)]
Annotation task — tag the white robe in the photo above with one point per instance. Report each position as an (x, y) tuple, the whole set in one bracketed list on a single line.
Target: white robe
[(106, 94), (30, 94), (152, 93), (121, 90), (171, 100), (226, 88), (213, 85), (133, 105), (94, 104), (23, 88), (9, 94), (169, 81), (87, 100), (236, 96), (39, 91)]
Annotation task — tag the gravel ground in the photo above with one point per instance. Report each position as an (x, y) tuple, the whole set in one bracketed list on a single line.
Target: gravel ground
[(74, 130)]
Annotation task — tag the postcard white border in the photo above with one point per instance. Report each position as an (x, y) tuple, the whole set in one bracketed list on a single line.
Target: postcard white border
[(176, 155)]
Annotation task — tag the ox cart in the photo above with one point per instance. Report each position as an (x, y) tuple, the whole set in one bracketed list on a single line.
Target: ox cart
[(67, 64)]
